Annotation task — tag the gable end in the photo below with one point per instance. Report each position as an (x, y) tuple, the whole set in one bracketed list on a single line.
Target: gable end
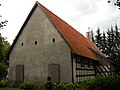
[(22, 28)]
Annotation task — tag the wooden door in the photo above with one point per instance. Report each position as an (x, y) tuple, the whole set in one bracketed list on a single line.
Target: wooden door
[(54, 72), (19, 72)]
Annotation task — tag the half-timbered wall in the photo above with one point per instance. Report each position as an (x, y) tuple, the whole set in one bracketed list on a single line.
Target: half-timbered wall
[(84, 69), (104, 70)]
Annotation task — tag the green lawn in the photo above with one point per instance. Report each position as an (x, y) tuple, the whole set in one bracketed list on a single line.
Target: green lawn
[(10, 89)]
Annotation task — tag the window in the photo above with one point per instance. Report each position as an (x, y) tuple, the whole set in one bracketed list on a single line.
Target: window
[(35, 42), (21, 44), (53, 39)]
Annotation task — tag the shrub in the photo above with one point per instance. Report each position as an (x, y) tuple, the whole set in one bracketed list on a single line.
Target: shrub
[(49, 85), (76, 85), (103, 83), (27, 85), (69, 86), (3, 83), (59, 87), (14, 84)]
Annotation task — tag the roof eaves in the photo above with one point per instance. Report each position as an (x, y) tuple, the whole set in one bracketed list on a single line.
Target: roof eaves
[(101, 55)]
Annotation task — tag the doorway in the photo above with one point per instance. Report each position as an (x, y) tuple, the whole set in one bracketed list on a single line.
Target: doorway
[(54, 72), (19, 72)]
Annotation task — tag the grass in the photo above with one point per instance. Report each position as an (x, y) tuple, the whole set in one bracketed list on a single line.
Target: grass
[(10, 89)]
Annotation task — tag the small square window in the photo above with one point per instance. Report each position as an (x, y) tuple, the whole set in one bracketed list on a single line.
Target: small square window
[(53, 39), (35, 42), (21, 44)]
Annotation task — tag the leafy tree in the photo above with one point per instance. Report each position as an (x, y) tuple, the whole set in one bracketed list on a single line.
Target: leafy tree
[(2, 24), (3, 70), (115, 2), (4, 47)]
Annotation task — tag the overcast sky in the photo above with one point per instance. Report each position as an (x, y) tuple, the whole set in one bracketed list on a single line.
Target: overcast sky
[(80, 14)]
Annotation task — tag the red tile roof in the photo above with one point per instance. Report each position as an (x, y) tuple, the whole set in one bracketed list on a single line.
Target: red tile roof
[(77, 42)]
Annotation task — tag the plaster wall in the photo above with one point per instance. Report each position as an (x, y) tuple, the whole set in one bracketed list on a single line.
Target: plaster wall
[(37, 57)]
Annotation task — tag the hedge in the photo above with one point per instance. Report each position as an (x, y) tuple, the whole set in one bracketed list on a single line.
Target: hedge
[(103, 83)]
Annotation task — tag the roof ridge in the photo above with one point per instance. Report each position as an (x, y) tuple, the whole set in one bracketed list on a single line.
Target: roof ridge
[(59, 17), (77, 42), (71, 35)]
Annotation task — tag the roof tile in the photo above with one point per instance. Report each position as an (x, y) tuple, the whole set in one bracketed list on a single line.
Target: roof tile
[(78, 43)]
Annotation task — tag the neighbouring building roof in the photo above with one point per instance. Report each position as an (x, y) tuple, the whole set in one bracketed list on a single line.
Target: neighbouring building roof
[(79, 44)]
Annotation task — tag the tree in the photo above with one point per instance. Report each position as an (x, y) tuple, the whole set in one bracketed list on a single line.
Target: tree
[(92, 34), (109, 44), (2, 24), (4, 47), (104, 44), (115, 2), (117, 48), (98, 38), (0, 5), (3, 70)]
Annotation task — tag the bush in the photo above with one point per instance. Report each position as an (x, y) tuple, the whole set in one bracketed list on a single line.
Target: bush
[(60, 87), (27, 85), (69, 86), (103, 83), (14, 84), (76, 85), (50, 85), (3, 83)]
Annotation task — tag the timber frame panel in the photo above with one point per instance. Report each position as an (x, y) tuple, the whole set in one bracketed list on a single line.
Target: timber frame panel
[(86, 68)]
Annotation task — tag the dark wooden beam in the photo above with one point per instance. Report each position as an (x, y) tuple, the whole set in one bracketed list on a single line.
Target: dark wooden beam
[(88, 69), (85, 75)]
